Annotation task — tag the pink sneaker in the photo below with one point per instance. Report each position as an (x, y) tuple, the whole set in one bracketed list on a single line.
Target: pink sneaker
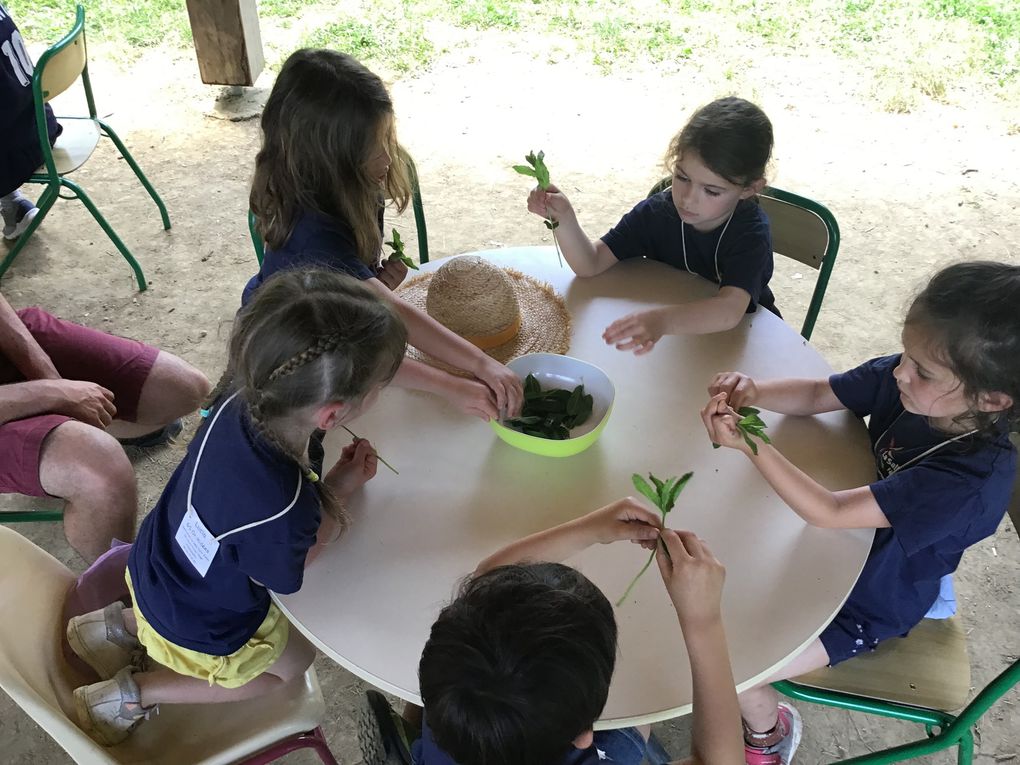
[(781, 752)]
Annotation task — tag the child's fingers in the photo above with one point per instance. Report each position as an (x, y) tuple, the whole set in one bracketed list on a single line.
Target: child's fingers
[(644, 348), (679, 543)]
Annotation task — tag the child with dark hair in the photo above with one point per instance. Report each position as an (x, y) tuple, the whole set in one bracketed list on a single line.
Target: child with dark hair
[(940, 416), (243, 513), (329, 159), (707, 223), (20, 153), (517, 669)]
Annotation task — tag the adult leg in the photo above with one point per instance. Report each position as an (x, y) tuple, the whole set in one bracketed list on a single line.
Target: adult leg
[(759, 706), (88, 469), (172, 389)]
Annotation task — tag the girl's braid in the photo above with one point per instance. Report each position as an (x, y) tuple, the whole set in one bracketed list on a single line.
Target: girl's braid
[(324, 344)]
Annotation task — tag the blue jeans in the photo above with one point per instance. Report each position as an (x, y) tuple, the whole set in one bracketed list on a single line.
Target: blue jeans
[(626, 746)]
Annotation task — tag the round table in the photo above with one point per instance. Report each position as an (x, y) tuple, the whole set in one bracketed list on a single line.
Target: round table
[(369, 601)]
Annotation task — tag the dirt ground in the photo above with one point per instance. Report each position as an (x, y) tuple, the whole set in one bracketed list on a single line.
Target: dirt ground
[(911, 192)]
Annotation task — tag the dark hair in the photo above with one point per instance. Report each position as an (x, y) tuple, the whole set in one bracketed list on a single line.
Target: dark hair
[(971, 312), (732, 136), (310, 337), (323, 119), (518, 665)]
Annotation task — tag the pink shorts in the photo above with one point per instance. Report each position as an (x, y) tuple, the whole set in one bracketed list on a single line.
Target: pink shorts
[(78, 353)]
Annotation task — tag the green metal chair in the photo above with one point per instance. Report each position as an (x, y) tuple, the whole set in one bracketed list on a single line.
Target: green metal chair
[(59, 68), (802, 229), (922, 678), (416, 206)]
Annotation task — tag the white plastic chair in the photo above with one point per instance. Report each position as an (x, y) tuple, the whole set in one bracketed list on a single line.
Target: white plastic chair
[(33, 672)]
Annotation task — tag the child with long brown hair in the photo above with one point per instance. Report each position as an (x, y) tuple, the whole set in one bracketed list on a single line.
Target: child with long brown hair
[(329, 158), (240, 516)]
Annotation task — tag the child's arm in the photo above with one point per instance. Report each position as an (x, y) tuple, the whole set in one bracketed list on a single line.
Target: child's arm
[(428, 335), (786, 396), (640, 331), (694, 580), (623, 519), (848, 509), (585, 257), (470, 396)]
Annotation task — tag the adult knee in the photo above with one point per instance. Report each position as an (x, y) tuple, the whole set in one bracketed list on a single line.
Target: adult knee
[(194, 386), (80, 461)]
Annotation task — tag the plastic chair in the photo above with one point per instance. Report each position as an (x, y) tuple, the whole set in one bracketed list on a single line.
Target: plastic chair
[(33, 672), (802, 229), (921, 678), (59, 68), (416, 206)]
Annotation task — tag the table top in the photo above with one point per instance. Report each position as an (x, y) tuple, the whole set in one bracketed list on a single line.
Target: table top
[(369, 601)]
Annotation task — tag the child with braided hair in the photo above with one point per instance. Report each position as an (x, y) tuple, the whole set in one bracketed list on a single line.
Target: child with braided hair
[(240, 516)]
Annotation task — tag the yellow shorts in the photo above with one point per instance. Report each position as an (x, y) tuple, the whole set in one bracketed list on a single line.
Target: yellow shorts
[(230, 671)]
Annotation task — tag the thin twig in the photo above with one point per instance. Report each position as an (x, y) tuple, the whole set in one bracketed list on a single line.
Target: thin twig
[(356, 437)]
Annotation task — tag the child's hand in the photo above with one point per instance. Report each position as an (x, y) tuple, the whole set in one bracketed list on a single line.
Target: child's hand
[(740, 389), (505, 385), (625, 519), (638, 332), (693, 578), (392, 272), (356, 466), (551, 202), (471, 397), (721, 423)]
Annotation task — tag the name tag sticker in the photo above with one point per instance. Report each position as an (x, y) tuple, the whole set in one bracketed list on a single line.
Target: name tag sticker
[(197, 544)]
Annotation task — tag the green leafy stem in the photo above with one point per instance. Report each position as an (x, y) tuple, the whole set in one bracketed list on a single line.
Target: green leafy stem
[(536, 169), (551, 413), (662, 494), (750, 424), (398, 251)]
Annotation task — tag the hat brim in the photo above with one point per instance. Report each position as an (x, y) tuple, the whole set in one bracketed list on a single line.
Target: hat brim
[(545, 321)]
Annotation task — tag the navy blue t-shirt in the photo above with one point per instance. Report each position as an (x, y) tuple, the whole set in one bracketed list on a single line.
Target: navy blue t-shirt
[(937, 506), (424, 751), (241, 479), (317, 240), (654, 229), (20, 154)]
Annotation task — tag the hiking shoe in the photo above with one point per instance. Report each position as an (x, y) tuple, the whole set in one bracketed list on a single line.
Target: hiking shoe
[(17, 215), (789, 727), (156, 437), (381, 732), (109, 711), (100, 640)]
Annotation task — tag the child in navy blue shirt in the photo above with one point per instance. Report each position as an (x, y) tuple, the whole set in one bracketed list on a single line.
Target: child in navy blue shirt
[(240, 517), (517, 669), (329, 157), (20, 153), (707, 223), (940, 416)]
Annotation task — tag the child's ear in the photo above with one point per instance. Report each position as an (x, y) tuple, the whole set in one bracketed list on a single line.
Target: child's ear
[(584, 740), (995, 401), (331, 415), (753, 188)]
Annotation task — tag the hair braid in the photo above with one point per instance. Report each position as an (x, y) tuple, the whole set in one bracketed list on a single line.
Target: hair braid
[(324, 344)]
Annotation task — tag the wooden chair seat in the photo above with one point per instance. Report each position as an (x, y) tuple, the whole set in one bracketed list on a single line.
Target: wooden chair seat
[(929, 668), (75, 145)]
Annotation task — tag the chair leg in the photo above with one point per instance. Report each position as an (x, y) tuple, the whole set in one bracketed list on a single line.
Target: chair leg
[(91, 207), (313, 739), (965, 754), (138, 172), (45, 202)]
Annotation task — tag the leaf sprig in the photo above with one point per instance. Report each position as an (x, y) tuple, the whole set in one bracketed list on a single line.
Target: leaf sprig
[(750, 424), (398, 251), (663, 496), (537, 169), (553, 413)]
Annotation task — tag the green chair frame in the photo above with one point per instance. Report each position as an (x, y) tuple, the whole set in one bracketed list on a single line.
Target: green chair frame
[(821, 259), (416, 207), (942, 729), (48, 174)]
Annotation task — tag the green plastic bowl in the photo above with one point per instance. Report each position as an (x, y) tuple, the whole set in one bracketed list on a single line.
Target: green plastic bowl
[(555, 371)]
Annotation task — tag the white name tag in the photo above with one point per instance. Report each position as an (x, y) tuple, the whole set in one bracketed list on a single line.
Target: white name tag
[(196, 542)]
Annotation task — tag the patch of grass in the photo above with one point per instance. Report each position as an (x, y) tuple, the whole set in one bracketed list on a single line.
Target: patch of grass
[(487, 14), (399, 48), (281, 8), (136, 24), (999, 22)]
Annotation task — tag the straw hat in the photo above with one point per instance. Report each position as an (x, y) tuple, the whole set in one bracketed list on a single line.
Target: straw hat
[(501, 311)]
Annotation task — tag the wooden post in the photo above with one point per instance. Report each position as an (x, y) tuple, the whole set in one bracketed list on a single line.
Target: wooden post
[(227, 40)]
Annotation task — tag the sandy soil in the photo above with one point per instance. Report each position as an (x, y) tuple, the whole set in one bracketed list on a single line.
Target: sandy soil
[(911, 192)]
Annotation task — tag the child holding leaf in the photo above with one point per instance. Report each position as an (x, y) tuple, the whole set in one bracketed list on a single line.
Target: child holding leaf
[(329, 157), (708, 223)]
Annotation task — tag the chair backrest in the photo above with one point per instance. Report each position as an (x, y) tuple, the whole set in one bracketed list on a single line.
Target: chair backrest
[(33, 673), (416, 207), (61, 65), (802, 229)]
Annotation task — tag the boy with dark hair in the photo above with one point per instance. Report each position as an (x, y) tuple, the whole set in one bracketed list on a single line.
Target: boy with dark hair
[(517, 669)]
